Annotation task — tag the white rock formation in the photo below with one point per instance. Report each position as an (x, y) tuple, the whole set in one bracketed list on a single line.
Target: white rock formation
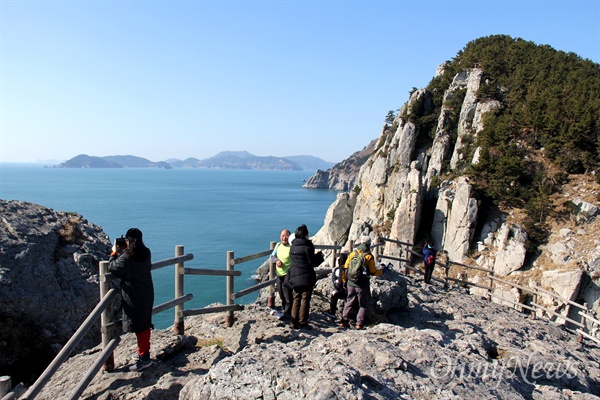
[(455, 218), (511, 249)]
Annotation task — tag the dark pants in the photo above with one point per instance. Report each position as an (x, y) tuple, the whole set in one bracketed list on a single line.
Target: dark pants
[(334, 300), (285, 294), (428, 273), (301, 306), (360, 295)]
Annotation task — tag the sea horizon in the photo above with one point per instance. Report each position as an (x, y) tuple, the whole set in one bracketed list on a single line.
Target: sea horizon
[(208, 211)]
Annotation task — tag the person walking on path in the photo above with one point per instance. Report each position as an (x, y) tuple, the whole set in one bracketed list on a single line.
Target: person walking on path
[(301, 276), (281, 256), (360, 266), (130, 261), (429, 253)]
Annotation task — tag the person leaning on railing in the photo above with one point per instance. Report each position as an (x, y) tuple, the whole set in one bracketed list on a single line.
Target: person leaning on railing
[(131, 261)]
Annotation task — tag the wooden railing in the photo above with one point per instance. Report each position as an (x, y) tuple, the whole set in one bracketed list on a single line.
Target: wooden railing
[(585, 312), (103, 312), (109, 343), (108, 326)]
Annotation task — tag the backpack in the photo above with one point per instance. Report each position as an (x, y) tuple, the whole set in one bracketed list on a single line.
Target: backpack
[(356, 267), (430, 261), (336, 278)]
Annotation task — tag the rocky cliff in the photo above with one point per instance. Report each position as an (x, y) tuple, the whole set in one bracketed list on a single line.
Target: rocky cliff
[(342, 176), (414, 186), (48, 284)]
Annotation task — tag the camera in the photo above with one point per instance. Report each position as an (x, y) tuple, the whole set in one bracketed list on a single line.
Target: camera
[(120, 242)]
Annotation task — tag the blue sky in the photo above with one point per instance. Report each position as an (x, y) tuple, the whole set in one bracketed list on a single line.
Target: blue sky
[(179, 79)]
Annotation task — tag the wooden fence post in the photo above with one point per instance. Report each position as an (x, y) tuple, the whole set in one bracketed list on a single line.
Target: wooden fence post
[(5, 385), (406, 270), (229, 288), (178, 324), (489, 293), (376, 255), (106, 317), (271, 297), (334, 262), (579, 335), (447, 267), (533, 312)]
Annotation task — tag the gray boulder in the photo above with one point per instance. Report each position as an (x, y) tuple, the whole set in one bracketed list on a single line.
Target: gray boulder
[(48, 283)]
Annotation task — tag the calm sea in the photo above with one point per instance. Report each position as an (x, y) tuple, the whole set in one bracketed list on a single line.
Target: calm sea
[(209, 212)]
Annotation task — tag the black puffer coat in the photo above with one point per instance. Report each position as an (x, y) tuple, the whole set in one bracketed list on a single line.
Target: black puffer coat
[(304, 261), (137, 289)]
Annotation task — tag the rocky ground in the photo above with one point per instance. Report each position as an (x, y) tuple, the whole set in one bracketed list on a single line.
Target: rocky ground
[(446, 344), (48, 284)]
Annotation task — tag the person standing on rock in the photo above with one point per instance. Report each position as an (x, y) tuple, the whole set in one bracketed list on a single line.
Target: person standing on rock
[(130, 261), (429, 253), (359, 284), (340, 290), (301, 276), (281, 256)]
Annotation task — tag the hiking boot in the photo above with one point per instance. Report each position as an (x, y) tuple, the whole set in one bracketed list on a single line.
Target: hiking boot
[(344, 324), (359, 327), (285, 317), (141, 364)]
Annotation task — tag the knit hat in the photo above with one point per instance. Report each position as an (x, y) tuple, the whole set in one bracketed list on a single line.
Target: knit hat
[(365, 240)]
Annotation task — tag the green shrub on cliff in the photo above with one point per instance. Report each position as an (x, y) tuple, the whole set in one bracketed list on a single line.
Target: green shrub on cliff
[(549, 116)]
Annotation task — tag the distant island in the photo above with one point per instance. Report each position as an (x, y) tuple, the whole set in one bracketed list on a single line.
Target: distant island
[(223, 160)]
